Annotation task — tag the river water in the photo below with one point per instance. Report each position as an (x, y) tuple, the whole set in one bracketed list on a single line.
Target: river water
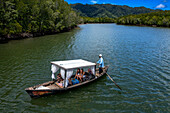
[(139, 59)]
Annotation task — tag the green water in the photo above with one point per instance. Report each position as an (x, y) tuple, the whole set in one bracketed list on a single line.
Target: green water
[(139, 59)]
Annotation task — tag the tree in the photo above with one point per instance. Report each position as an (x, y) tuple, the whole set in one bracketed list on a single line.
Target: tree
[(8, 14)]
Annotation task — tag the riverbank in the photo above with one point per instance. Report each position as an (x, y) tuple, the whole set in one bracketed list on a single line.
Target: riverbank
[(100, 23), (143, 25), (20, 36), (129, 24)]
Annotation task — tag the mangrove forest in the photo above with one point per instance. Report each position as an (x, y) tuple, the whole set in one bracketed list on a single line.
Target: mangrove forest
[(160, 18), (27, 18)]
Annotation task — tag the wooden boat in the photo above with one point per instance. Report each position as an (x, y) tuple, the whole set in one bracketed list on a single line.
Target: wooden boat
[(51, 87)]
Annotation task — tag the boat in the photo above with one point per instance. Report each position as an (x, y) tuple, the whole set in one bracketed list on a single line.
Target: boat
[(66, 69)]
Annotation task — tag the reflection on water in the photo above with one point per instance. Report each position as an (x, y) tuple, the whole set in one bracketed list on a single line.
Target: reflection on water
[(139, 59)]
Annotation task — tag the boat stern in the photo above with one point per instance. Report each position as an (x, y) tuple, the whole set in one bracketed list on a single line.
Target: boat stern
[(37, 93)]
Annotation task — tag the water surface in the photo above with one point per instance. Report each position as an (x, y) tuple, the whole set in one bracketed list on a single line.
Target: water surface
[(139, 59)]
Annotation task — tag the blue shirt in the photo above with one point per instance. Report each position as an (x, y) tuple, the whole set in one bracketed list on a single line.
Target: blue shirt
[(75, 81), (101, 62)]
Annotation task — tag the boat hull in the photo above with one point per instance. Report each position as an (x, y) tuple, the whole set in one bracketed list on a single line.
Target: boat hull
[(39, 93)]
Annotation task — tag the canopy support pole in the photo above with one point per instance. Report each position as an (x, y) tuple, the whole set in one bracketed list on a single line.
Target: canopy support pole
[(65, 78), (95, 70)]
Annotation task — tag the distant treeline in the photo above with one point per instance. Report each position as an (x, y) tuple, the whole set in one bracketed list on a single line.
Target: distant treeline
[(36, 17), (160, 18), (98, 20)]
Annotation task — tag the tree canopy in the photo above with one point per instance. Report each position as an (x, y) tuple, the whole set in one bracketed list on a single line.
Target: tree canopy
[(160, 18), (36, 16)]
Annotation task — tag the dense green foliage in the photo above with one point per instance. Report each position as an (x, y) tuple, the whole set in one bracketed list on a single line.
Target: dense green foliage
[(107, 10), (98, 20), (36, 16), (52, 16), (160, 18)]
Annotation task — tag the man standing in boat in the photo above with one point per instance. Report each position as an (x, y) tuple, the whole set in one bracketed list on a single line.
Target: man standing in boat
[(101, 63)]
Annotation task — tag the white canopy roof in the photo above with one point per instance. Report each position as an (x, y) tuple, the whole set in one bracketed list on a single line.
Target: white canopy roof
[(72, 64)]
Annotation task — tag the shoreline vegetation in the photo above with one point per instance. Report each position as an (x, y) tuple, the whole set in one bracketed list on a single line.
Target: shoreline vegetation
[(154, 19), (19, 36), (23, 19), (20, 19), (98, 20)]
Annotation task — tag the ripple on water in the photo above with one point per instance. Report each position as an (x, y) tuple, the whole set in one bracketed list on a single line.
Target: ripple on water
[(139, 64)]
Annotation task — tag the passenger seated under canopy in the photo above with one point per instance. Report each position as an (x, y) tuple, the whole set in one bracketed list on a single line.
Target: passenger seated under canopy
[(59, 78), (78, 75), (89, 75), (59, 81)]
